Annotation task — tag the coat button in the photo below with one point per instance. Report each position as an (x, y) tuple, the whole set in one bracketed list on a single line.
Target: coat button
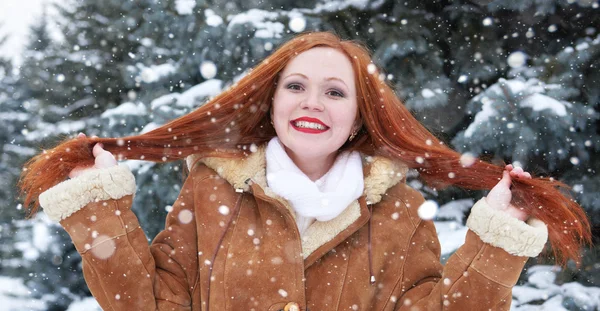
[(291, 306)]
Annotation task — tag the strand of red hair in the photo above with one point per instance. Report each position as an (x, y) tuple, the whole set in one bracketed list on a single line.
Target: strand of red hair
[(230, 123)]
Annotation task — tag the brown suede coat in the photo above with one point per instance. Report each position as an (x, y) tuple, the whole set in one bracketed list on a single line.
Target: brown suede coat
[(230, 243)]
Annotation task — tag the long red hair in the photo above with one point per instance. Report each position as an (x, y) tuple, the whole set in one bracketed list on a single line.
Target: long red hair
[(228, 124)]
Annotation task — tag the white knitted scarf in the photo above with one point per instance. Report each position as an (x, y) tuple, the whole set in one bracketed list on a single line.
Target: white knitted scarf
[(323, 199)]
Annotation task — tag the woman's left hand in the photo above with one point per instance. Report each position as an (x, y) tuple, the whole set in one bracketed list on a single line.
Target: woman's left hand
[(500, 196)]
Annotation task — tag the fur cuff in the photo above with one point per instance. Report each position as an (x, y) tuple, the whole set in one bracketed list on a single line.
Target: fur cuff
[(502, 230), (69, 196)]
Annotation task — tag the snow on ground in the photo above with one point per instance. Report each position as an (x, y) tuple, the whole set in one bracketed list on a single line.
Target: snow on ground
[(85, 304), (541, 294), (449, 225), (15, 296), (451, 235), (455, 210)]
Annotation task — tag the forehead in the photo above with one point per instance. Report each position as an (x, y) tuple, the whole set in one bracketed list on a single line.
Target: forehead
[(321, 61)]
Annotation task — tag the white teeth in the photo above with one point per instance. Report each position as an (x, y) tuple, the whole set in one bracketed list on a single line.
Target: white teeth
[(309, 125)]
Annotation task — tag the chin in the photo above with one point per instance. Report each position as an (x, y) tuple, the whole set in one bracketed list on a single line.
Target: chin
[(310, 146), (310, 150)]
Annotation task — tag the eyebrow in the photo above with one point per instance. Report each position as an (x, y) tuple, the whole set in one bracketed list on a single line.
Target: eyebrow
[(326, 79)]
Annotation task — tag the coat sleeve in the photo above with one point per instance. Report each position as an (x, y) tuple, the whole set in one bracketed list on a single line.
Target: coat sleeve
[(122, 271), (480, 274)]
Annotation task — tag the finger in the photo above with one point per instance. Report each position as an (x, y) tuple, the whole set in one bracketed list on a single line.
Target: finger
[(499, 197), (516, 171), (509, 167), (80, 135), (526, 175), (97, 149), (505, 182), (506, 179), (105, 159)]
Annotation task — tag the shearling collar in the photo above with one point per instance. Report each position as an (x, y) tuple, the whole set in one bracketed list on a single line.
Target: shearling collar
[(380, 175)]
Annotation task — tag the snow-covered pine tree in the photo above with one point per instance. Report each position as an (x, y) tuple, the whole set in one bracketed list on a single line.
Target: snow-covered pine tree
[(89, 65), (543, 109), (132, 66), (40, 252), (12, 119), (545, 97)]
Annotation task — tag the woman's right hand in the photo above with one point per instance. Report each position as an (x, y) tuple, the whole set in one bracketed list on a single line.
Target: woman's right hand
[(104, 159)]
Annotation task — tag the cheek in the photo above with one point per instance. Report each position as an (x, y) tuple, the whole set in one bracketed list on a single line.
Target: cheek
[(345, 120), (284, 102), (278, 111), (281, 114), (277, 106)]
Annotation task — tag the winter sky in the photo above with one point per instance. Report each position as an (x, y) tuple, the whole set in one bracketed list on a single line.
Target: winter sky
[(15, 18)]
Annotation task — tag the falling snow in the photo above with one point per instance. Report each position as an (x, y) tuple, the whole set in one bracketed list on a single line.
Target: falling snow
[(224, 210), (517, 59), (427, 93), (156, 79), (208, 70), (428, 210), (297, 24)]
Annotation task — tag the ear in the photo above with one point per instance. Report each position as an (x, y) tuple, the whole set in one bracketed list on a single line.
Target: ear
[(357, 125)]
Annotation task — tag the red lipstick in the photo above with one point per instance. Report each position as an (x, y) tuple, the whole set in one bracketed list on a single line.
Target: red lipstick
[(309, 130)]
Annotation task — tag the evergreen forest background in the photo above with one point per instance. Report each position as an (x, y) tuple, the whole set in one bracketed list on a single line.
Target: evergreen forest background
[(513, 81)]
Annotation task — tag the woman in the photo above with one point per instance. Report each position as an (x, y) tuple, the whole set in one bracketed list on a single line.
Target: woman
[(296, 200)]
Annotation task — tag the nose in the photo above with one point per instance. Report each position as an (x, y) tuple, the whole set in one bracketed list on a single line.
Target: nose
[(312, 102)]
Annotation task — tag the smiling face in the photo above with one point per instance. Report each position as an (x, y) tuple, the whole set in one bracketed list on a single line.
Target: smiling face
[(314, 106)]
